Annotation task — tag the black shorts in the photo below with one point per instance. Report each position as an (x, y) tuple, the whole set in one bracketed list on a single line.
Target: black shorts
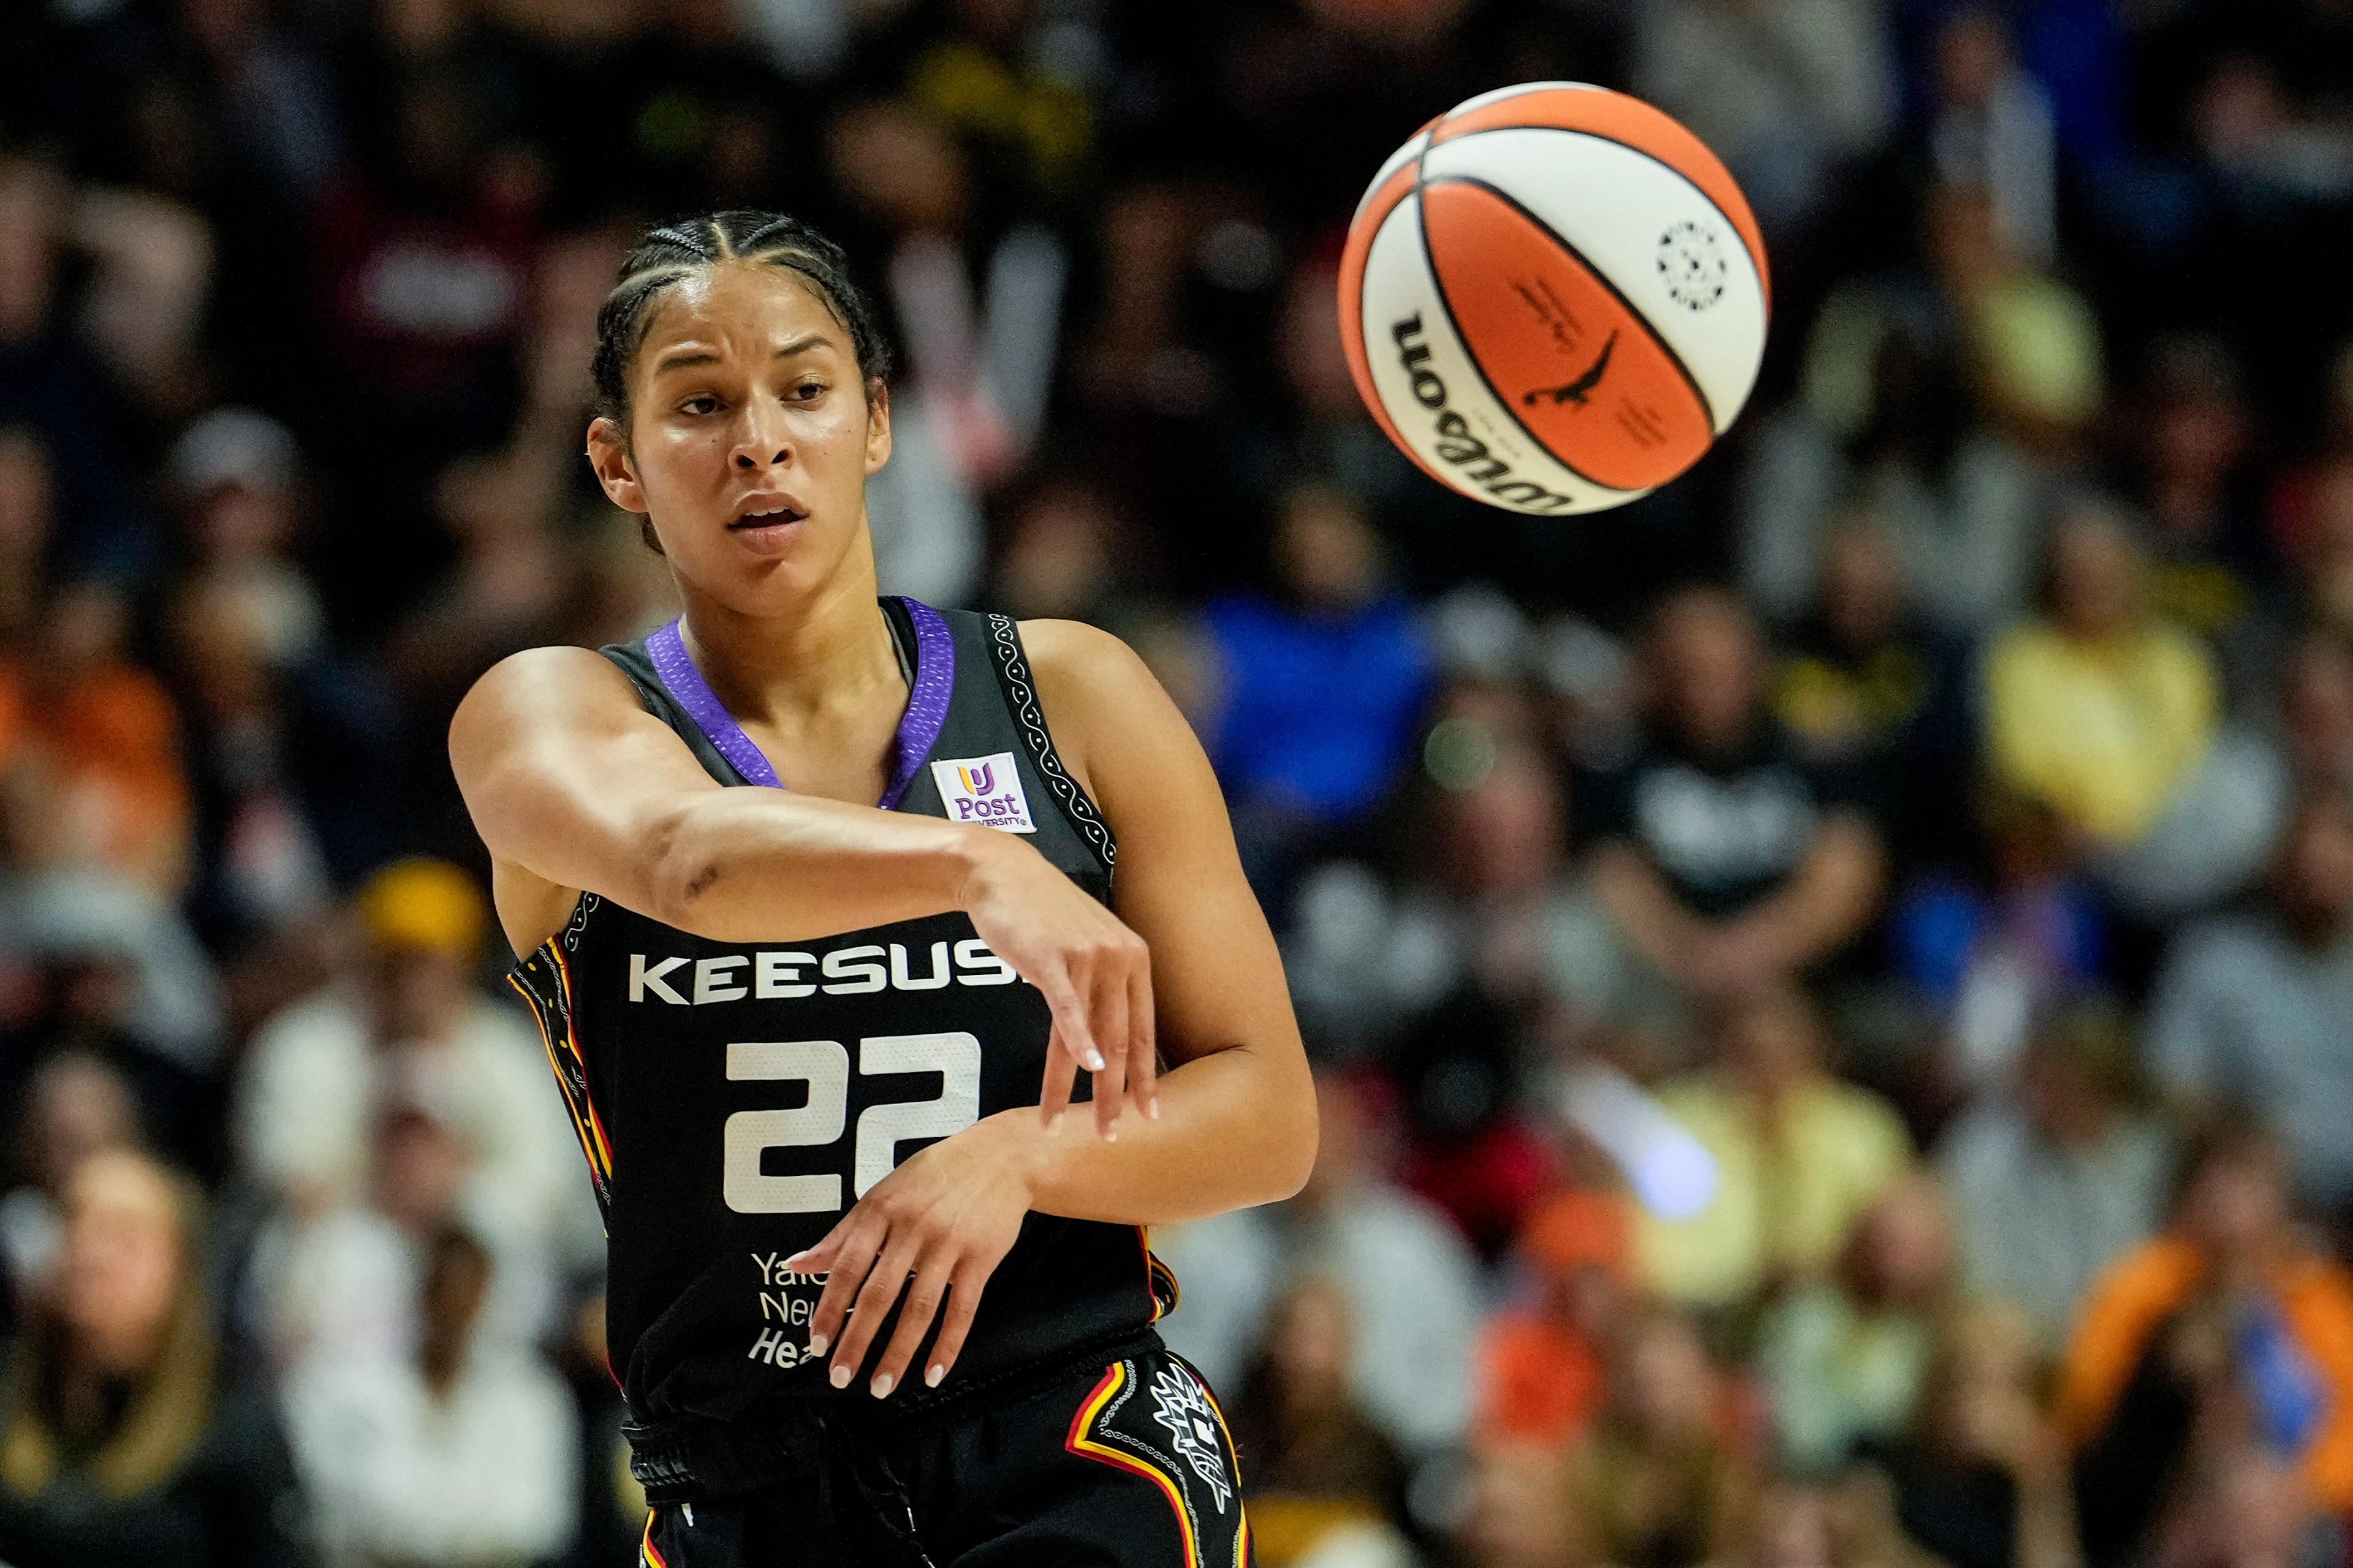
[(1125, 1465)]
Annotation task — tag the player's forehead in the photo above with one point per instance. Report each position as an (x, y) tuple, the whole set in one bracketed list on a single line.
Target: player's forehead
[(737, 312)]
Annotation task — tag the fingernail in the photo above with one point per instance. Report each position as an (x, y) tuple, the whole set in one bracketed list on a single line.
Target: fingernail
[(1111, 1134), (1093, 1058), (932, 1377), (1152, 1107), (840, 1375), (881, 1384), (817, 1344), (793, 1263)]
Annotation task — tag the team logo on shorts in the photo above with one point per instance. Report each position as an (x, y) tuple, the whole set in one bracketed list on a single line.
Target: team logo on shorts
[(1192, 1429), (985, 790)]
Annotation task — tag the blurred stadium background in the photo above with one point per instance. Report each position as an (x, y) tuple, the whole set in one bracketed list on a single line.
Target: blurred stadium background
[(1941, 801)]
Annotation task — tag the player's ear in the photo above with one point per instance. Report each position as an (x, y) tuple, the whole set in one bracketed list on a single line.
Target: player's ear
[(609, 454), (878, 424)]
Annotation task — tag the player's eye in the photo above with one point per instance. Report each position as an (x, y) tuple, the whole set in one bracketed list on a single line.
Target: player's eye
[(808, 391), (701, 404)]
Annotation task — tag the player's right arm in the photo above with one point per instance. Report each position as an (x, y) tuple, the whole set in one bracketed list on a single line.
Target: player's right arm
[(574, 785)]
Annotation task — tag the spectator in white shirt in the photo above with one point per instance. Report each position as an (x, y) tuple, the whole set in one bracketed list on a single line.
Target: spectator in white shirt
[(343, 1283), (465, 1454), (2256, 1009), (2055, 1183), (1785, 91), (416, 1026)]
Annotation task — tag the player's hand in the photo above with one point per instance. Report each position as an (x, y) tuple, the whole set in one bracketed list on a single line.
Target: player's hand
[(935, 1228), (1096, 976)]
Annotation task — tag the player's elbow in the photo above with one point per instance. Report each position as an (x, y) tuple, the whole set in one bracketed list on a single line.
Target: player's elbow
[(680, 867), (1291, 1176), (1290, 1143)]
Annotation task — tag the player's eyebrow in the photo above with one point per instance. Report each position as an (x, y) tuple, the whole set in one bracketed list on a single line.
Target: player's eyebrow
[(685, 358)]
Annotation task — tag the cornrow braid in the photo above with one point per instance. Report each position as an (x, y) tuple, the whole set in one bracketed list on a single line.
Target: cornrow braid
[(675, 251)]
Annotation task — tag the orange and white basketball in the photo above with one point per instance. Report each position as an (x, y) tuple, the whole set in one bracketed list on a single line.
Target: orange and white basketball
[(1554, 298)]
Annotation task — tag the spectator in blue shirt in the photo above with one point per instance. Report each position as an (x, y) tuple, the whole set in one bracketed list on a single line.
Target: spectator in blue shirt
[(1322, 682)]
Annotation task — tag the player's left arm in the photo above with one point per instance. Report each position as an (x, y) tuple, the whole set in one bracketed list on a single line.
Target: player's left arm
[(1236, 1123), (1221, 1010)]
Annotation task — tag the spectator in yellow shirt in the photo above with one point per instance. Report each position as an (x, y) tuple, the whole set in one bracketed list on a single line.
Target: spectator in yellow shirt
[(2093, 705), (1798, 1156)]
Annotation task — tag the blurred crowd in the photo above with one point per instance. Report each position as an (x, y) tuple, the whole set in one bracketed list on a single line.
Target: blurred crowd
[(1831, 985)]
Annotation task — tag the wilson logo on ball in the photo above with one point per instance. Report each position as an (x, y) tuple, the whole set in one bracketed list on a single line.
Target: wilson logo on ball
[(1454, 442)]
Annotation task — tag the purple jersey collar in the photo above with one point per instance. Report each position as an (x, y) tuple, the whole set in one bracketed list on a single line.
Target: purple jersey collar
[(927, 703)]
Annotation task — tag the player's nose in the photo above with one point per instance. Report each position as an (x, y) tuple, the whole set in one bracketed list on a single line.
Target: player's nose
[(762, 440)]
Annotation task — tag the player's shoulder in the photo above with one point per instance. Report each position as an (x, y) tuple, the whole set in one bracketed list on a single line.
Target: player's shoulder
[(564, 686), (560, 674), (559, 664), (1084, 669), (1078, 650)]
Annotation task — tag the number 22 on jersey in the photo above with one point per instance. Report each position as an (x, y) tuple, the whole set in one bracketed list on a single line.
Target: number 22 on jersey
[(824, 1065)]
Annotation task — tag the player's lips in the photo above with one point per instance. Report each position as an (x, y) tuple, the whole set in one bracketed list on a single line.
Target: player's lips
[(767, 509), (765, 520)]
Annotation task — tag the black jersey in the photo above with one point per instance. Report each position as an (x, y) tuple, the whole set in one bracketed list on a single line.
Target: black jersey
[(733, 1099)]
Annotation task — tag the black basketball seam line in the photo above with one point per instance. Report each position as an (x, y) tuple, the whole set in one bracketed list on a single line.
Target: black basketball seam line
[(1706, 408), (1438, 289), (1756, 260), (1374, 189)]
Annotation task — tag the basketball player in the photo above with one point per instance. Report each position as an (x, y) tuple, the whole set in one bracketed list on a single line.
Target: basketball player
[(877, 1292)]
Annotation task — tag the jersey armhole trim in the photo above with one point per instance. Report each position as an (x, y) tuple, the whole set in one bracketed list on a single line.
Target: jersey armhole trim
[(544, 981), (646, 698), (1012, 666)]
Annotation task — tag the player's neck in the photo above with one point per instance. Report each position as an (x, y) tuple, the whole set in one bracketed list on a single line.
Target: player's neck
[(775, 668)]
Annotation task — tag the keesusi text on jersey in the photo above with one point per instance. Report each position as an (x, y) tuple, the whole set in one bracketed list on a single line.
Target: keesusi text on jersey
[(780, 976)]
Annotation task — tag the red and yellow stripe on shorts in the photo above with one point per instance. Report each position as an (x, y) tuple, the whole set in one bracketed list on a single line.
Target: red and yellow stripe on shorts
[(1086, 1439)]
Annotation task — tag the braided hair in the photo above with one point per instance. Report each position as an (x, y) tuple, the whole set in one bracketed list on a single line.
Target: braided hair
[(668, 255)]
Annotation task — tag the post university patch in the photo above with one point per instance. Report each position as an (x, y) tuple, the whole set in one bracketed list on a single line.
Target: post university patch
[(1157, 1420), (985, 790)]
